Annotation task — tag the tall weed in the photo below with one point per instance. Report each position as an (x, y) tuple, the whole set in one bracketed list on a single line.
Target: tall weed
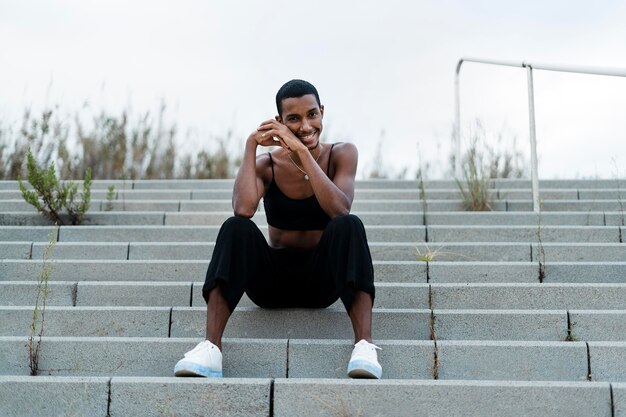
[(481, 163), (113, 146)]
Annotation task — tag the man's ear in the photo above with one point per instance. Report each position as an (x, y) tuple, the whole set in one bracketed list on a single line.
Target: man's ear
[(322, 110), (278, 119)]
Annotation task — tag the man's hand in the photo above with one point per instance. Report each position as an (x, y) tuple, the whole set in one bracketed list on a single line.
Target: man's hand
[(272, 128)]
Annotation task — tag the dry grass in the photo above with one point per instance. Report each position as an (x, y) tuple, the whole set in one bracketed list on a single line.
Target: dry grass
[(39, 312), (482, 163), (114, 146)]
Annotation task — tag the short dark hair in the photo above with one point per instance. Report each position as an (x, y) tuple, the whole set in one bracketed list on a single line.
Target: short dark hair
[(295, 88)]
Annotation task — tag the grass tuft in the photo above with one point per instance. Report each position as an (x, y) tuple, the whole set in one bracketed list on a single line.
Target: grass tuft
[(481, 164)]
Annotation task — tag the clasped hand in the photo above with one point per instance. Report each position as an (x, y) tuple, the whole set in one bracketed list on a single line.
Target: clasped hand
[(273, 133)]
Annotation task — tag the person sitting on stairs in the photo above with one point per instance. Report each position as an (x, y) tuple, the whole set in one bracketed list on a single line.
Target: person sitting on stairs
[(317, 251)]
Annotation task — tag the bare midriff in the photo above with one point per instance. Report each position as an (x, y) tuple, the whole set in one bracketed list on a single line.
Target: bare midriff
[(294, 239)]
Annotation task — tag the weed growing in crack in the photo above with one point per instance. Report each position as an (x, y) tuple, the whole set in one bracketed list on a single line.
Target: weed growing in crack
[(39, 313), (570, 334), (432, 255), (541, 253), (482, 163), (475, 185), (428, 255), (110, 197), (433, 334)]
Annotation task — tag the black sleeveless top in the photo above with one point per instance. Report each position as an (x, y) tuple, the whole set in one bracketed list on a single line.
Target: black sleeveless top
[(293, 214)]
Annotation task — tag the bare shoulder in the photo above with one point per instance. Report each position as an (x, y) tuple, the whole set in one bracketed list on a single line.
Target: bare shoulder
[(264, 167), (344, 147), (344, 154), (345, 151)]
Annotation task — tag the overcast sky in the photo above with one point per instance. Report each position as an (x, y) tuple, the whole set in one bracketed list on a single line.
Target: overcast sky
[(384, 70)]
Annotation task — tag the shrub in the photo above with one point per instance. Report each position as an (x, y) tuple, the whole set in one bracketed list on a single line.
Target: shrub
[(50, 197)]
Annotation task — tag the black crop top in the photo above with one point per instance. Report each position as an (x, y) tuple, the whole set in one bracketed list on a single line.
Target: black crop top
[(293, 214)]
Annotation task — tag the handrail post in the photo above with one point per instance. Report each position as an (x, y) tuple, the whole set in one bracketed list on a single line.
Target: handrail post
[(457, 122), (533, 139)]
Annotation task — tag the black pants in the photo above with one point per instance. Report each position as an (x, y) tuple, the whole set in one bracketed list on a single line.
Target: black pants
[(242, 261)]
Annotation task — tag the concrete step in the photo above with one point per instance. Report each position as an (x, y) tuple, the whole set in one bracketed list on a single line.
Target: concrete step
[(167, 294), (172, 197), (511, 218), (178, 270), (157, 218), (523, 234), (388, 295), (566, 205), (385, 271), (380, 233), (133, 396), (443, 251), (10, 220), (499, 183), (442, 398), (311, 358), (615, 183), (555, 272), (606, 234), (332, 323), (188, 233), (248, 322), (287, 397)]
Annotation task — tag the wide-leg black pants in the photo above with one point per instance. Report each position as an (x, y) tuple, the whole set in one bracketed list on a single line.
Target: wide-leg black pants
[(243, 261)]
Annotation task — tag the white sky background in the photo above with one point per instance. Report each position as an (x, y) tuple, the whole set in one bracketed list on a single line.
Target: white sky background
[(379, 67)]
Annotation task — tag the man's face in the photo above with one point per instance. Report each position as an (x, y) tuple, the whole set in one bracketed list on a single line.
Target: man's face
[(303, 117)]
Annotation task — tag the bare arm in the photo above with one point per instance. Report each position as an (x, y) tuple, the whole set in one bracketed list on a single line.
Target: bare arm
[(335, 197), (249, 185)]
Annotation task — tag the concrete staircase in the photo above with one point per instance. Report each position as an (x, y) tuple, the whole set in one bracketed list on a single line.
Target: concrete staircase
[(466, 325)]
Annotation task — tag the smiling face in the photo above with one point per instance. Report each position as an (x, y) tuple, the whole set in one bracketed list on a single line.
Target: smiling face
[(303, 116)]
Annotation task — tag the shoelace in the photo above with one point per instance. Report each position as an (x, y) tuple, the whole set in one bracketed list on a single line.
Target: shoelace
[(370, 345), (203, 345)]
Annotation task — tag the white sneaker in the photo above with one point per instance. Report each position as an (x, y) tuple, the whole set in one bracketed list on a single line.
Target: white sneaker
[(203, 360), (364, 361)]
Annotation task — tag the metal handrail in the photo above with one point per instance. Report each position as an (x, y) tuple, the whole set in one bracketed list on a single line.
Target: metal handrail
[(615, 72)]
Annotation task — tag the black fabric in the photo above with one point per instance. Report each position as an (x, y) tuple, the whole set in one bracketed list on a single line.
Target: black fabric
[(293, 214), (287, 213), (242, 261)]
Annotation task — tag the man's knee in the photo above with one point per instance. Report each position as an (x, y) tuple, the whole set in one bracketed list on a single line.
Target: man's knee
[(349, 220), (239, 224)]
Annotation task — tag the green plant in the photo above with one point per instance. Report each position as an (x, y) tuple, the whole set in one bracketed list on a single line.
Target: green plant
[(39, 313), (50, 197), (110, 197)]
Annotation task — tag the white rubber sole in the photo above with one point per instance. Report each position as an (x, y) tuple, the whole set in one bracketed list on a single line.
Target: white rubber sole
[(184, 368), (364, 369)]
